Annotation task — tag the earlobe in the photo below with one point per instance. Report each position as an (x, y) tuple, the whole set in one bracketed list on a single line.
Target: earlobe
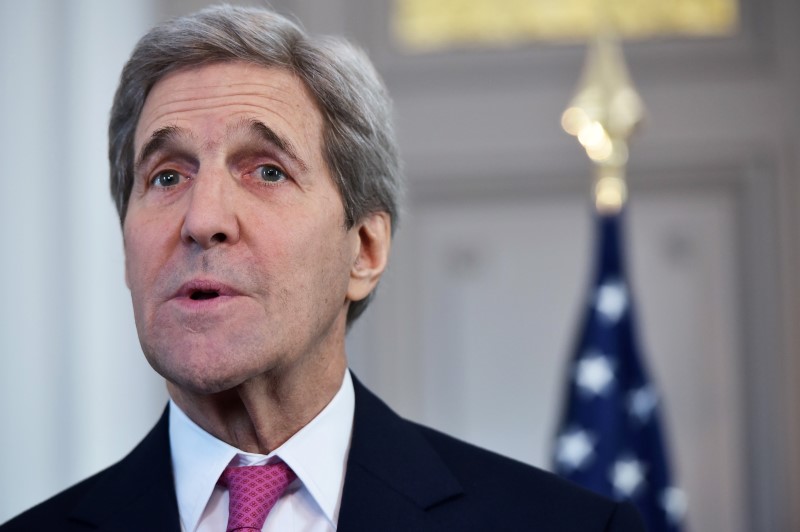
[(373, 241)]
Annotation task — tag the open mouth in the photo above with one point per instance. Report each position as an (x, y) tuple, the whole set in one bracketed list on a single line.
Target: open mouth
[(200, 295), (201, 289)]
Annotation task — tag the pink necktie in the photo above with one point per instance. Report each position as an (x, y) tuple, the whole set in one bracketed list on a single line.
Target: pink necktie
[(253, 492)]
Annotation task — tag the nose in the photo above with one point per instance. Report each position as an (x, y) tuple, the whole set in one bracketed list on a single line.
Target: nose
[(210, 217)]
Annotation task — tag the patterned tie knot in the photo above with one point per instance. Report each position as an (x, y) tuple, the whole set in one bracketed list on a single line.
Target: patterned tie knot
[(253, 492)]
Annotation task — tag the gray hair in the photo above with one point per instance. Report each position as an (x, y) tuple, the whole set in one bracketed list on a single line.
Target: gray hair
[(358, 138)]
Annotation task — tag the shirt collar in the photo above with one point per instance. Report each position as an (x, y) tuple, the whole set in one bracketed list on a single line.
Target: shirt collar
[(317, 454)]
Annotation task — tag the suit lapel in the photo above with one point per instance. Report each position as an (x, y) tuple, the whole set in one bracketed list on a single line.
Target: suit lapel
[(393, 474), (138, 493)]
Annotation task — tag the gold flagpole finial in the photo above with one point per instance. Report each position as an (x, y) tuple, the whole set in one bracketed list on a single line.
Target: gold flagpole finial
[(604, 113)]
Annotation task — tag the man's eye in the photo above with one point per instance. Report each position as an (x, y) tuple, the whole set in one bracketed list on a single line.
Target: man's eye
[(271, 174), (167, 178)]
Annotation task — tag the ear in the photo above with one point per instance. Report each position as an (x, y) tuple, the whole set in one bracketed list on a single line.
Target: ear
[(373, 238)]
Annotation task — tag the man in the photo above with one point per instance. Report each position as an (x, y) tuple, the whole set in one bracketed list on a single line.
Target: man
[(256, 177)]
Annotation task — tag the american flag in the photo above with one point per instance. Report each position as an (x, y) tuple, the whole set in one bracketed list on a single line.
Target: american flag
[(610, 437)]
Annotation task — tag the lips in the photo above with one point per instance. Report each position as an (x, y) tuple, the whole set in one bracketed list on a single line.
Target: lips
[(204, 289)]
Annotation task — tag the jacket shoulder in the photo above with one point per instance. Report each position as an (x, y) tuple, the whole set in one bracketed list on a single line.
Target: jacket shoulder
[(137, 493), (473, 464), (53, 513), (522, 493), (418, 478)]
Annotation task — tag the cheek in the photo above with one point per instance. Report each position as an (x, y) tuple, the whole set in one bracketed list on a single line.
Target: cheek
[(330, 256), (143, 248), (303, 255)]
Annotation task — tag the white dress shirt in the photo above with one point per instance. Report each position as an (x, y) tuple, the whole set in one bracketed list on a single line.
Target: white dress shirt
[(317, 454)]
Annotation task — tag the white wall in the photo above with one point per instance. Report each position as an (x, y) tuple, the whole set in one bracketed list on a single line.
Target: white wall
[(75, 391)]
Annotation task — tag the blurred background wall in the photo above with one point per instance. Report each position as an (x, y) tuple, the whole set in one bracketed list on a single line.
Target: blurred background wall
[(475, 320)]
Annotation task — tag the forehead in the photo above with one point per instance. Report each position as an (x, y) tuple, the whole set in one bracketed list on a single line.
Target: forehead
[(203, 99)]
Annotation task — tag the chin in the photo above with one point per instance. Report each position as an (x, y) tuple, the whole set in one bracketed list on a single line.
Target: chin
[(204, 386), (202, 375)]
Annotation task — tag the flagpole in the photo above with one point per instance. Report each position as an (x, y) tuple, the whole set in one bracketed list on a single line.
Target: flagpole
[(610, 438)]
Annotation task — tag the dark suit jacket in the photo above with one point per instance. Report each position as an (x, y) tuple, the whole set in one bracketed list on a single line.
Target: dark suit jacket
[(400, 477)]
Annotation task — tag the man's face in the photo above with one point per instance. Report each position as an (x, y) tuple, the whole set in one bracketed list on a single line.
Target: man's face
[(237, 257)]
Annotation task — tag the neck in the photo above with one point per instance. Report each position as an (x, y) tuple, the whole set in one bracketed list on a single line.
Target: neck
[(260, 414)]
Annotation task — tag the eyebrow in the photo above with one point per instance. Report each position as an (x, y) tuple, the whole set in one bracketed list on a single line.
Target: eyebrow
[(267, 134), (166, 135), (157, 141)]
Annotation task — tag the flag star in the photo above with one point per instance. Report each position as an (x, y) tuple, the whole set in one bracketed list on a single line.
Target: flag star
[(611, 300), (594, 374), (574, 449), (642, 403), (627, 476), (674, 502)]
